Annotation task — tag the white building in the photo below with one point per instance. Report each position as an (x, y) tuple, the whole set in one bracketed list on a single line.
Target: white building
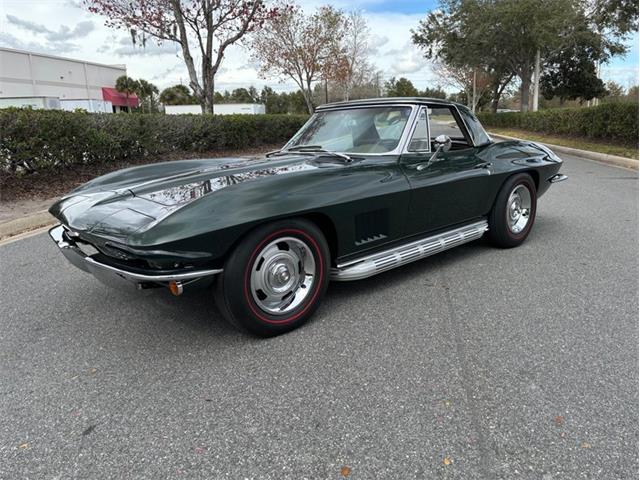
[(34, 79), (218, 109)]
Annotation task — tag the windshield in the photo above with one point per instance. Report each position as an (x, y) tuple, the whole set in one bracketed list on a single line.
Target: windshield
[(354, 130)]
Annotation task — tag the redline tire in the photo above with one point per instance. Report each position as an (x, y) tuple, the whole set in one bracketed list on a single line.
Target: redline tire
[(514, 211), (275, 278)]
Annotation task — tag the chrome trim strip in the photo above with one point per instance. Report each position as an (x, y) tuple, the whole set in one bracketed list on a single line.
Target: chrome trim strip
[(382, 261), (466, 127), (416, 119), (79, 259), (559, 177), (155, 278), (382, 101)]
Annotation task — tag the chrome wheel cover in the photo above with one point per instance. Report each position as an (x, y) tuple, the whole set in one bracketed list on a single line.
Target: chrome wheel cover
[(518, 209), (282, 275)]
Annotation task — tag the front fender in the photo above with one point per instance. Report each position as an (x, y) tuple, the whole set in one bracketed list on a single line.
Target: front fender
[(215, 222)]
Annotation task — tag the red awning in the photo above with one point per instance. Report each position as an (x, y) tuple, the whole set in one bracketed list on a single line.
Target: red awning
[(118, 98)]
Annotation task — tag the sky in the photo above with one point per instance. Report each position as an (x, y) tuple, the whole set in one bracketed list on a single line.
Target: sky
[(63, 28)]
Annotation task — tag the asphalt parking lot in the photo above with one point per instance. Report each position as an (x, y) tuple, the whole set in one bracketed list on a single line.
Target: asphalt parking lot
[(474, 364)]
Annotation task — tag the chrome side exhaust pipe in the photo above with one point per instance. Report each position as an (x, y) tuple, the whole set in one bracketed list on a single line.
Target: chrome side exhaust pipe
[(386, 260)]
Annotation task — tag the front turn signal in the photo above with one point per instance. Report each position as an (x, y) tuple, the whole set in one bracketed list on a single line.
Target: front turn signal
[(175, 288)]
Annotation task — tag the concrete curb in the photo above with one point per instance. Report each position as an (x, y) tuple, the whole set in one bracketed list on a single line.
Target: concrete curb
[(596, 156), (26, 224)]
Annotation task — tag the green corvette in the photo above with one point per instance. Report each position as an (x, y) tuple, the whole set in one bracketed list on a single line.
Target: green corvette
[(363, 187)]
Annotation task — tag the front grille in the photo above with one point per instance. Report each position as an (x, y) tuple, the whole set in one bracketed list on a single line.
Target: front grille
[(114, 252)]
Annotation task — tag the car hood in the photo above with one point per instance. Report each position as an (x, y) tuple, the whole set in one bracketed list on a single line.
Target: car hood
[(121, 203)]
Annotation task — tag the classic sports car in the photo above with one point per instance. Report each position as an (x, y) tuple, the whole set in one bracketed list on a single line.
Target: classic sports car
[(365, 186)]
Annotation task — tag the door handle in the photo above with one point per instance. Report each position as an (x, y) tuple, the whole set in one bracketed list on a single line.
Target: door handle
[(483, 165), (418, 166)]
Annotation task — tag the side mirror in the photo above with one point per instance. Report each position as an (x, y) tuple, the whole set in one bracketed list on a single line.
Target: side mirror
[(443, 142)]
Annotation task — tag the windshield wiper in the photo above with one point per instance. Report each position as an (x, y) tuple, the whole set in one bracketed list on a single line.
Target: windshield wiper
[(297, 148), (311, 149)]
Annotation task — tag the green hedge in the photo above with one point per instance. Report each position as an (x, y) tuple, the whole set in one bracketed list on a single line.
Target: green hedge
[(611, 121), (33, 140)]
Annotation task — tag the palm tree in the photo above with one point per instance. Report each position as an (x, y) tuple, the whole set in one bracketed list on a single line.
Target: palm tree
[(146, 91), (177, 95), (127, 85)]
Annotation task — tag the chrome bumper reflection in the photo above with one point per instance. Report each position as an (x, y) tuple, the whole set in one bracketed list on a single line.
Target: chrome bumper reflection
[(559, 177), (113, 276)]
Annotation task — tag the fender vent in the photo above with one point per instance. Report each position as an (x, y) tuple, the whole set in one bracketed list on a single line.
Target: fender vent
[(372, 226)]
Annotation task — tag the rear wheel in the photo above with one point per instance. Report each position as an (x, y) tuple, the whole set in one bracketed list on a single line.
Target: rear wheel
[(514, 211), (274, 279)]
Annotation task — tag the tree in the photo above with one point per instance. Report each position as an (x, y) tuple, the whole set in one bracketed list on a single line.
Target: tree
[(177, 95), (300, 47), (127, 85), (297, 102), (474, 83), (240, 95), (254, 94), (273, 102), (504, 37), (147, 92), (571, 74), (401, 87), (619, 16), (207, 26), (461, 38), (353, 67), (433, 93), (368, 87), (530, 27), (614, 89)]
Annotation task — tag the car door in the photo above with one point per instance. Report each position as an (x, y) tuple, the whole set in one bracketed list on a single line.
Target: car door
[(451, 187)]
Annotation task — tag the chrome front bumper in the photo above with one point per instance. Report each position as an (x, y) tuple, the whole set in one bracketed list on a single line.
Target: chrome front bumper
[(116, 277)]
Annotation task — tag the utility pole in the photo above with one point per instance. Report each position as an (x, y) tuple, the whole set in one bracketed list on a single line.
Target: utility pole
[(473, 99), (536, 82), (596, 101), (326, 91)]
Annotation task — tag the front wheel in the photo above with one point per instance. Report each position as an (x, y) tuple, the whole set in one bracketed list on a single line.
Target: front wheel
[(274, 279), (514, 211)]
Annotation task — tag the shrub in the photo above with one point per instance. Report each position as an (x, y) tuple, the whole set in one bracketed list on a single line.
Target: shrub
[(611, 121), (36, 140)]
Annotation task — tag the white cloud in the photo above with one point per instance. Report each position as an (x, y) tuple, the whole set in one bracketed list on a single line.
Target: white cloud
[(625, 76), (150, 48), (376, 42), (398, 57), (64, 33), (56, 48), (406, 61), (81, 30), (27, 25)]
